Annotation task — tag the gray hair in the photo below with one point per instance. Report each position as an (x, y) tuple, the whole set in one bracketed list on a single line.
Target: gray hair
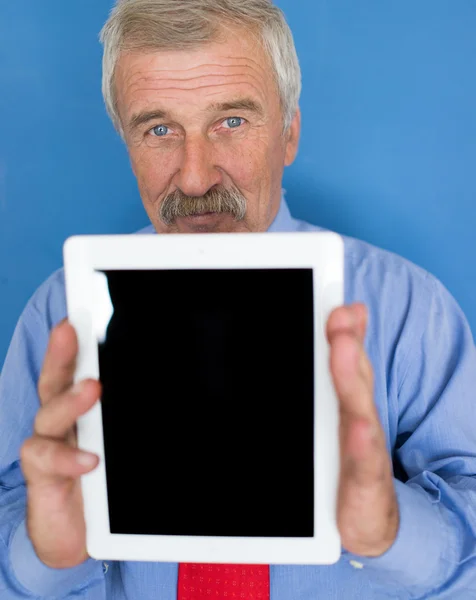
[(218, 199), (148, 25)]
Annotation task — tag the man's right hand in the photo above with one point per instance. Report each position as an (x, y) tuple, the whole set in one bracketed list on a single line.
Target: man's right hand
[(51, 463)]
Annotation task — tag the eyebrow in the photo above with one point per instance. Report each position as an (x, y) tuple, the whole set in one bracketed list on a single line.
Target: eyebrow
[(239, 104), (247, 104), (144, 117)]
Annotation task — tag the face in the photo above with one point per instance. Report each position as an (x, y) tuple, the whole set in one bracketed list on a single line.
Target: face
[(204, 131)]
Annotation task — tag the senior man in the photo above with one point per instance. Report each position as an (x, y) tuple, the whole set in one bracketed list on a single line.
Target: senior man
[(205, 95)]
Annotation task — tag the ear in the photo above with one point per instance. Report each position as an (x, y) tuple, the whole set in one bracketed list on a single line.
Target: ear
[(292, 139)]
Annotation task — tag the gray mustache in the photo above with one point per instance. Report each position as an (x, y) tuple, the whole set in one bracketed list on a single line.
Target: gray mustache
[(216, 200)]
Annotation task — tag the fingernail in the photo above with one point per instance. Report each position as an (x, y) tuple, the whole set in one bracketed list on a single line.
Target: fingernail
[(357, 317), (347, 320), (352, 316), (85, 459), (77, 388)]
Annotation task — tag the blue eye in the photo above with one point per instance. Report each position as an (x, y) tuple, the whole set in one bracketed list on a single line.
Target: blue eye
[(159, 130), (234, 122)]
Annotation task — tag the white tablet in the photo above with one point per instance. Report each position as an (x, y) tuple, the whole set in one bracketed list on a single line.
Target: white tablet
[(217, 429)]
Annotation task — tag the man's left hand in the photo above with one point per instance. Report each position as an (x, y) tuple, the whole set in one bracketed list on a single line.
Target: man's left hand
[(367, 512)]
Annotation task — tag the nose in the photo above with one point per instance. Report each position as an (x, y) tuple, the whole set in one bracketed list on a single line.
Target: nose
[(197, 173)]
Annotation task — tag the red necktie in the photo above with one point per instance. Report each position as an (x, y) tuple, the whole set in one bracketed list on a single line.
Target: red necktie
[(223, 582)]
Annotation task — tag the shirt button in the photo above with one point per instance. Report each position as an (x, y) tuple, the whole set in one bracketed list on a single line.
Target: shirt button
[(356, 564)]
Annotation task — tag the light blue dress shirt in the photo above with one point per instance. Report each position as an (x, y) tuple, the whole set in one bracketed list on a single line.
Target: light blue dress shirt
[(424, 360)]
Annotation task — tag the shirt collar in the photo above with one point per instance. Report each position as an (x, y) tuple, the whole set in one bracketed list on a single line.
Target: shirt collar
[(283, 220)]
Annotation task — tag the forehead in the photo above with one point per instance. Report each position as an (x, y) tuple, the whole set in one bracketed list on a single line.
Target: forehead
[(210, 72)]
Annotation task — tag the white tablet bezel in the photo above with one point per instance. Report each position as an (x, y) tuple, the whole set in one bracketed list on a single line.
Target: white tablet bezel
[(321, 251)]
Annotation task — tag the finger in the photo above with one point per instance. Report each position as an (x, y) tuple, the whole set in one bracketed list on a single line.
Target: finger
[(363, 457), (351, 317), (352, 380), (59, 363), (360, 314), (367, 506), (58, 416), (341, 320), (44, 460)]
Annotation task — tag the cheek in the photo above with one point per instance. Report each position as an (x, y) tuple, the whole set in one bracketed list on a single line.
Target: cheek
[(152, 171), (247, 164)]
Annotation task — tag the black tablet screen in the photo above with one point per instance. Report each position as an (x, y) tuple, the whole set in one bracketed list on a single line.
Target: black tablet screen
[(207, 402)]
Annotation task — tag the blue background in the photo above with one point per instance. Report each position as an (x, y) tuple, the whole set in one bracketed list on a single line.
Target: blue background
[(388, 150)]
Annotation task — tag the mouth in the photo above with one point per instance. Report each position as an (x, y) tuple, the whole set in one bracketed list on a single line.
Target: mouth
[(201, 217), (202, 222)]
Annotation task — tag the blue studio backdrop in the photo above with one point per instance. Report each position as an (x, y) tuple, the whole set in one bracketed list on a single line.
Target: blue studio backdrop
[(388, 150)]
